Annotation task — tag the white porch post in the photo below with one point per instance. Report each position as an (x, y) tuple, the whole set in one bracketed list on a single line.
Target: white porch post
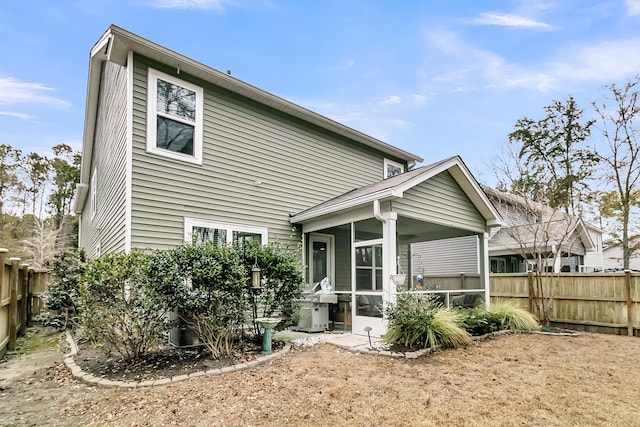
[(389, 252), (389, 257), (484, 266)]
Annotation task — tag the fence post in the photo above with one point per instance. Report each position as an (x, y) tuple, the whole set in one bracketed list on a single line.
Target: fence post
[(627, 291), (530, 291), (31, 278), (2, 252), (23, 302), (13, 303)]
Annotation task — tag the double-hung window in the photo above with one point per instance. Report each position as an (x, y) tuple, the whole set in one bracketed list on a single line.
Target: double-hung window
[(200, 231), (174, 117)]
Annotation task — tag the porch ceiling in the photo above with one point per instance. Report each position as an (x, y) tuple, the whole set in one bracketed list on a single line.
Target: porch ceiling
[(411, 231)]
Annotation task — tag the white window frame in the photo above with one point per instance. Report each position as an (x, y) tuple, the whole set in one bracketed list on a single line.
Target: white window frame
[(152, 92), (93, 197), (387, 163), (189, 223), (329, 239)]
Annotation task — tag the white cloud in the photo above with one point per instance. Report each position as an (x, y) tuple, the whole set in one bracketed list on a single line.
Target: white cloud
[(20, 116), (509, 20), (412, 99), (13, 91), (190, 4), (633, 7), (606, 61), (467, 68), (343, 66), (393, 99)]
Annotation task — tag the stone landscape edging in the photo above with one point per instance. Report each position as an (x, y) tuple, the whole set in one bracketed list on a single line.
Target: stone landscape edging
[(365, 349), (89, 378)]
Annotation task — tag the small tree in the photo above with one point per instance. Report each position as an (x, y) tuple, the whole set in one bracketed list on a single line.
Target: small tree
[(546, 171), (558, 165), (117, 305), (9, 181), (540, 235), (205, 284), (621, 130), (65, 167), (62, 294)]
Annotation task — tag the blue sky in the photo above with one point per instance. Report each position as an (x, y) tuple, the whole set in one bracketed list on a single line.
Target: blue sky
[(436, 78)]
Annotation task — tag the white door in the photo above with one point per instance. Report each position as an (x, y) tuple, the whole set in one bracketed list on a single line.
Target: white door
[(367, 288), (321, 258)]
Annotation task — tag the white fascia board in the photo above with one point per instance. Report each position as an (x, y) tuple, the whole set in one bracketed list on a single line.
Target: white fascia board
[(81, 195), (91, 109), (346, 205)]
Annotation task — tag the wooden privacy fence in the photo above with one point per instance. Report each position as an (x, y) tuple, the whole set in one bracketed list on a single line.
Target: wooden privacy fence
[(21, 288), (596, 302)]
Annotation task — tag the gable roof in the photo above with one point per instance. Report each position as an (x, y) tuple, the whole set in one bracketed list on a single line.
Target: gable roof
[(518, 231), (395, 187), (115, 45)]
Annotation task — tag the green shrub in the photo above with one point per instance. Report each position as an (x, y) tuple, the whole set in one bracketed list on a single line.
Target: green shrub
[(479, 321), (281, 280), (419, 320), (206, 285), (62, 293), (118, 307), (514, 317)]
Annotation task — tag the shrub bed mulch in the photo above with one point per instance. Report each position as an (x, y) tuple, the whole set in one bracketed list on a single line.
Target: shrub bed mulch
[(164, 362)]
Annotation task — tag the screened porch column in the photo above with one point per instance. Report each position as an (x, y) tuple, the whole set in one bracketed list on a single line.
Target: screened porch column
[(389, 253), (484, 265)]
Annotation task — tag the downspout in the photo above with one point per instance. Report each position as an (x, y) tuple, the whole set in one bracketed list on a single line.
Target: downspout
[(376, 212)]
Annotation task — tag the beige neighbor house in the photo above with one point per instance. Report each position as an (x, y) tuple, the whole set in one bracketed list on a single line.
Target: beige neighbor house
[(174, 148), (529, 227)]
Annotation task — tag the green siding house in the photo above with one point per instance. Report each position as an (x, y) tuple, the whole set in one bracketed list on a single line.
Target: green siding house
[(174, 149)]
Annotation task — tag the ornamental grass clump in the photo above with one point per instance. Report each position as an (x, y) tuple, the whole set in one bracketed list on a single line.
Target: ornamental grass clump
[(513, 317), (418, 320)]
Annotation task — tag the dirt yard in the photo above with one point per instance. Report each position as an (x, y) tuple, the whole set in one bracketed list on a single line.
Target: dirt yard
[(513, 380)]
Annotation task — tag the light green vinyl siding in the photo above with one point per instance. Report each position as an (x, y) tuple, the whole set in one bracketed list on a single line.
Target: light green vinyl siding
[(107, 229), (440, 200), (258, 167)]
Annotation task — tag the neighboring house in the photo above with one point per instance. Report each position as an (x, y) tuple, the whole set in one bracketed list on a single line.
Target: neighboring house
[(529, 228), (174, 149), (612, 256)]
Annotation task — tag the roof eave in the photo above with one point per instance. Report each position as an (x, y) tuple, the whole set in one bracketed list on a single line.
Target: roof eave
[(125, 41), (313, 214), (99, 53)]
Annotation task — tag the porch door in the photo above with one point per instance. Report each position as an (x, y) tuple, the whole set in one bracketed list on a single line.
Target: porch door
[(321, 257), (367, 288)]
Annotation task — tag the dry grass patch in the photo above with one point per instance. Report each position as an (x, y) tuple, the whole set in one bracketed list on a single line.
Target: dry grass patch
[(515, 380)]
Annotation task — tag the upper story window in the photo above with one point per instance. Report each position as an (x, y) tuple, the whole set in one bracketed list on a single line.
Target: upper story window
[(200, 231), (174, 118), (392, 168)]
